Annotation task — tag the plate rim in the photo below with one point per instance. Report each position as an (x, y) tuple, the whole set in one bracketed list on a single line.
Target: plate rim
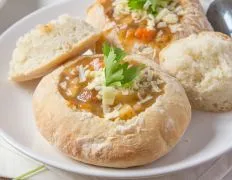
[(144, 174), (148, 173)]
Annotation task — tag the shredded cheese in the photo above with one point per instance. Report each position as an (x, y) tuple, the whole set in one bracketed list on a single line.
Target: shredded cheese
[(155, 87), (162, 14), (143, 87), (168, 15), (63, 85), (170, 18), (82, 74), (112, 115), (175, 28), (146, 99), (142, 49), (96, 64), (161, 25), (147, 4), (98, 81)]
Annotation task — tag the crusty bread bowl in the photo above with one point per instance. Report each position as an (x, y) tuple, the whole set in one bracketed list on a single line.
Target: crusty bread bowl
[(47, 46), (117, 143), (203, 65), (147, 40)]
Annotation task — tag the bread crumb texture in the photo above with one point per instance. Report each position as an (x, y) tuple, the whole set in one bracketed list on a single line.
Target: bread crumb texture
[(203, 64), (48, 43)]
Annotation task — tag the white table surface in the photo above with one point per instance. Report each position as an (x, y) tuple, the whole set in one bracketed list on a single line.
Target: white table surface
[(13, 163)]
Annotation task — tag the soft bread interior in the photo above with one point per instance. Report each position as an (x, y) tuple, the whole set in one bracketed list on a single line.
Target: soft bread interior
[(203, 64), (47, 46)]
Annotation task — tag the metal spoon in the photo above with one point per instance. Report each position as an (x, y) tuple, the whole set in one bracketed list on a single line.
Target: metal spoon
[(220, 16)]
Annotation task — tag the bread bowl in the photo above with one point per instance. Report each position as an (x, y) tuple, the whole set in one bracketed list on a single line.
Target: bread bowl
[(77, 115), (47, 46), (139, 32), (203, 65)]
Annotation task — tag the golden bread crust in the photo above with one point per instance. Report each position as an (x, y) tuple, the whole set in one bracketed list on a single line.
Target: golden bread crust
[(194, 20), (120, 144)]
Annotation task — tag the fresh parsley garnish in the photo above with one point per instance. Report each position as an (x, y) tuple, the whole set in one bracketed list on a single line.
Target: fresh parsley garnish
[(117, 72), (136, 4), (153, 7)]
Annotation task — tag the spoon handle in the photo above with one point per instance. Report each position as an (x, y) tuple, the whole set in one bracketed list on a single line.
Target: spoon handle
[(220, 16)]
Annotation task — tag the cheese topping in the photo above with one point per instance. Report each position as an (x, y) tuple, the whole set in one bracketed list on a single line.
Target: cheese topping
[(140, 26), (170, 14), (83, 86)]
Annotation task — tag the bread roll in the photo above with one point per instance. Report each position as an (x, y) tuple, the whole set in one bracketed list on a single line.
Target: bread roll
[(84, 136), (47, 46), (203, 65)]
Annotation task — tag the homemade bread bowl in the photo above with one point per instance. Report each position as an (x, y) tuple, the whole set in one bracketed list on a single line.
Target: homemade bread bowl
[(138, 31), (121, 137)]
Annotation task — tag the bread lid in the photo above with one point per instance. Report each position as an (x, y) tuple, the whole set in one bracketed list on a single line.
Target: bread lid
[(47, 46)]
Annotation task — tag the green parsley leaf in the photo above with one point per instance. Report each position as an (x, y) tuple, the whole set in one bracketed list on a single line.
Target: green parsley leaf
[(117, 72), (152, 9), (136, 4), (106, 49), (120, 54), (131, 73)]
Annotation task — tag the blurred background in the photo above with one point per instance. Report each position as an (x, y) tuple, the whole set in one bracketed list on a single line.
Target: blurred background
[(14, 10)]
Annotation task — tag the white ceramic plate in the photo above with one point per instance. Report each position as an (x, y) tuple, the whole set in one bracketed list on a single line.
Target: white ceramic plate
[(208, 136)]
